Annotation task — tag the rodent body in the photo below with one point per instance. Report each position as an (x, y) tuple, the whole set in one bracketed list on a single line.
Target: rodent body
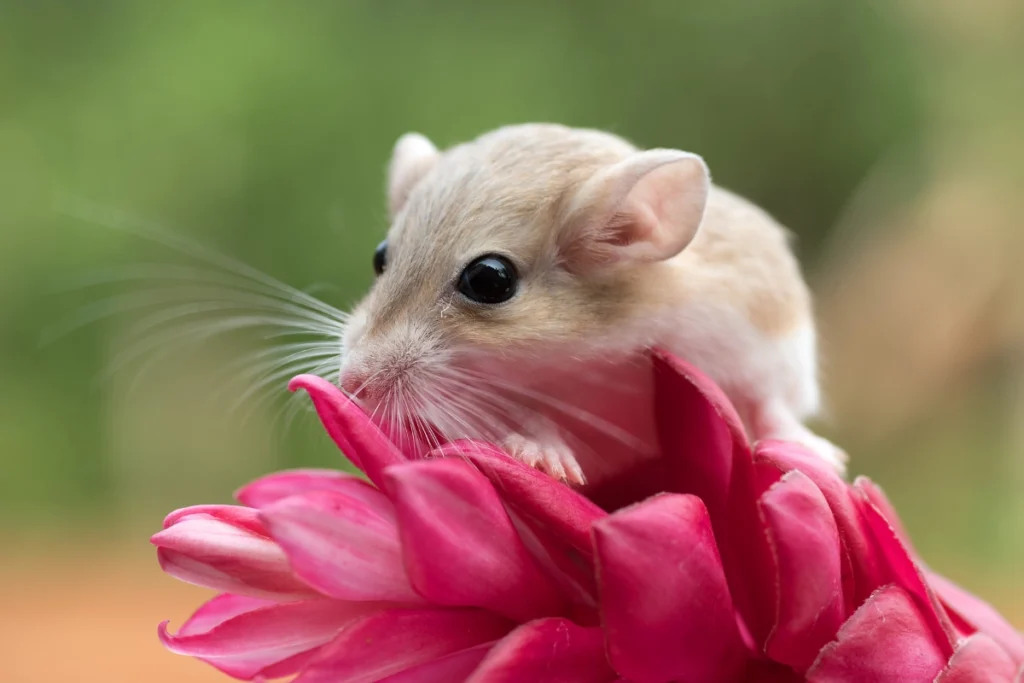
[(522, 261)]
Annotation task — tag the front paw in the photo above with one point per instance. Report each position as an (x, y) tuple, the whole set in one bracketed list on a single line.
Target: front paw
[(554, 458)]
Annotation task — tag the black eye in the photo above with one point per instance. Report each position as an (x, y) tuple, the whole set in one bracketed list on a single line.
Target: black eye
[(489, 280), (380, 257)]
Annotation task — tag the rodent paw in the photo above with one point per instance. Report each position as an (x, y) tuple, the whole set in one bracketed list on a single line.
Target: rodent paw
[(555, 459)]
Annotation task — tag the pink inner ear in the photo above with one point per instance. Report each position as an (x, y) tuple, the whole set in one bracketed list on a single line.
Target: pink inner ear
[(623, 230), (646, 208), (667, 205)]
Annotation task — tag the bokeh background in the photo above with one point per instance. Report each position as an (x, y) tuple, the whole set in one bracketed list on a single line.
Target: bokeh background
[(888, 135)]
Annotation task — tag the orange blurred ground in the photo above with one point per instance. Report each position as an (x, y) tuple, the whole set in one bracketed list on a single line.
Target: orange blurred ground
[(76, 615)]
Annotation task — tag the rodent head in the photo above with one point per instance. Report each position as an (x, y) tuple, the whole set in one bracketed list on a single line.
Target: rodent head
[(502, 249)]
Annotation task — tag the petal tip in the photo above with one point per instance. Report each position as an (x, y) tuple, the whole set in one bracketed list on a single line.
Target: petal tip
[(307, 382)]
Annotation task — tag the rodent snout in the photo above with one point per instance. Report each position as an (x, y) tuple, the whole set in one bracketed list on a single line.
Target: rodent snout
[(353, 381)]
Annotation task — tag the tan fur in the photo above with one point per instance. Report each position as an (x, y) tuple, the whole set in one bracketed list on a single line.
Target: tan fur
[(733, 300)]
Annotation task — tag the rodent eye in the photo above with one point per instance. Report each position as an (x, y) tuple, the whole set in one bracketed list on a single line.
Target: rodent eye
[(490, 279), (380, 257)]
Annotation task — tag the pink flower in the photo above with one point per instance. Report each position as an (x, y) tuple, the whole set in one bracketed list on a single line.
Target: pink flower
[(713, 563)]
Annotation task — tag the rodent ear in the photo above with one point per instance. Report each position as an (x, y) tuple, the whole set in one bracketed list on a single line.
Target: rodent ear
[(412, 157), (645, 208)]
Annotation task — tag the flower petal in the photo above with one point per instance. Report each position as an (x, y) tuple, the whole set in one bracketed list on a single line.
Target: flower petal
[(218, 610), (805, 543), (343, 543), (454, 667), (707, 455), (665, 604), (245, 645), (350, 428), (543, 501), (698, 430), (887, 640), (979, 616), (235, 515), (900, 569), (570, 571), (273, 487), (547, 651), (862, 571), (398, 640), (460, 547), (873, 493), (205, 551), (978, 659)]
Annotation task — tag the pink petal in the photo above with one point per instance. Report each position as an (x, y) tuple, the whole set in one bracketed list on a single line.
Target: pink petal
[(235, 515), (218, 610), (547, 651), (343, 543), (274, 487), (247, 644), (706, 454), (350, 428), (861, 564), (887, 640), (454, 667), (900, 569), (979, 616), (570, 571), (459, 545), (541, 500), (881, 502), (398, 640), (665, 604), (978, 659), (694, 417), (205, 551), (805, 542)]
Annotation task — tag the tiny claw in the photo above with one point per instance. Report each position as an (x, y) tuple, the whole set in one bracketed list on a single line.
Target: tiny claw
[(553, 459)]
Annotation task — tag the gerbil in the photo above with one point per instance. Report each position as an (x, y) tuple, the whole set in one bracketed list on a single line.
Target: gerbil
[(538, 247)]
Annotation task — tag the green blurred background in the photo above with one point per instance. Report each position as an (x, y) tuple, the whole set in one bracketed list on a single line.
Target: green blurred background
[(887, 135)]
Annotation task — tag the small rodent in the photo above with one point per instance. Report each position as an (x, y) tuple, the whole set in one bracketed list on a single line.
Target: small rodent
[(524, 272)]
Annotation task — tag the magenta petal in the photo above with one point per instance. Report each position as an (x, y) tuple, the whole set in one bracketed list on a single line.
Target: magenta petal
[(699, 430), (887, 640), (979, 616), (978, 659), (698, 433), (541, 500), (454, 667), (350, 428), (235, 515), (391, 642), (459, 545), (903, 572), (877, 497), (274, 487), (805, 543), (568, 569), (707, 454), (343, 543), (205, 551), (218, 610), (246, 644), (665, 604), (862, 572), (547, 651)]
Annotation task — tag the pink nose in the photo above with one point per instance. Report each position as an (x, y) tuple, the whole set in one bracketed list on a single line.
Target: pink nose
[(353, 382)]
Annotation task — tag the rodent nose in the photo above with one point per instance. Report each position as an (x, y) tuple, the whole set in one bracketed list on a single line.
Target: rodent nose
[(353, 382)]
